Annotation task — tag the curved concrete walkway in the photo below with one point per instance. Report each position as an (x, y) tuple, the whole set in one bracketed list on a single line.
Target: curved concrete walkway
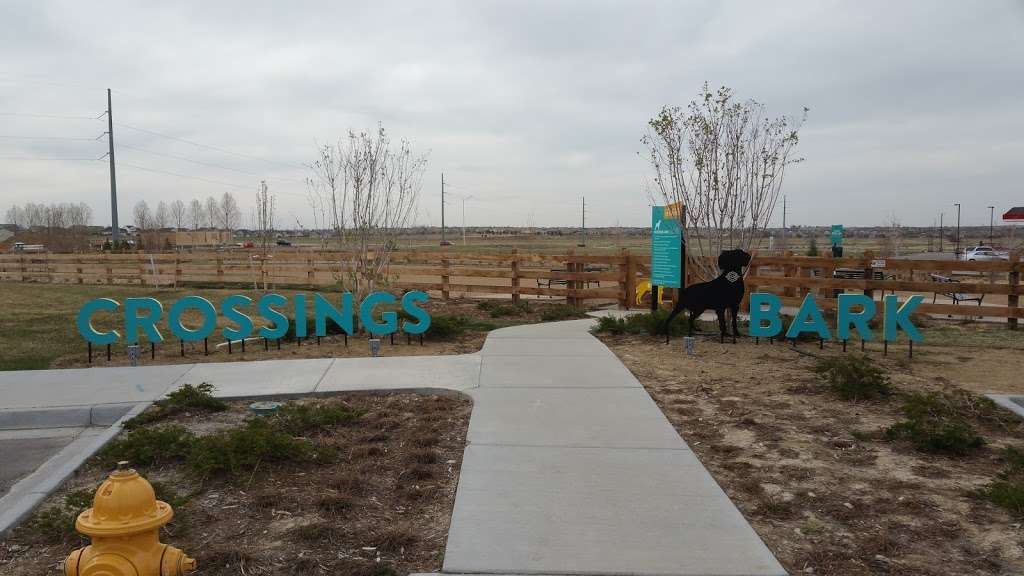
[(570, 467)]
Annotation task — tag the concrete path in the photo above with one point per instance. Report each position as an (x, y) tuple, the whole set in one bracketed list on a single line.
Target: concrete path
[(570, 466)]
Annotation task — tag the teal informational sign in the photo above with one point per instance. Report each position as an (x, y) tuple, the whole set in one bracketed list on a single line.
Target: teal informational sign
[(666, 247), (837, 234)]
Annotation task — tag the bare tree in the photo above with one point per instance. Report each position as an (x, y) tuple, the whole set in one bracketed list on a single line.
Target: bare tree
[(16, 216), (229, 212), (212, 211), (142, 215), (162, 216), (367, 190), (264, 221), (724, 160), (178, 212), (893, 236), (195, 214)]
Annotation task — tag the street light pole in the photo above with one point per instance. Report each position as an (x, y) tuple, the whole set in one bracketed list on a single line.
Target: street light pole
[(957, 253), (991, 220)]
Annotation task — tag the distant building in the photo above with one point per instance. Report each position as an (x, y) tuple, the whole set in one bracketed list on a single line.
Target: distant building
[(159, 239)]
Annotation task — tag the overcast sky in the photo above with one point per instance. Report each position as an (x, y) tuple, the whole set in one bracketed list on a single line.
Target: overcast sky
[(525, 106)]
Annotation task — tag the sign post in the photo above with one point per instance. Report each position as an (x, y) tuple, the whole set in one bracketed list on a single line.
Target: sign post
[(837, 240)]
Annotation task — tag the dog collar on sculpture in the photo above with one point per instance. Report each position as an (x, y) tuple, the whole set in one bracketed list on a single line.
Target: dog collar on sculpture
[(732, 276)]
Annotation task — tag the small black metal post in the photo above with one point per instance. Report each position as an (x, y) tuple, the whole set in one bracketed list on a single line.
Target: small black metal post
[(392, 338), (861, 344), (885, 347), (181, 343), (229, 347), (421, 339), (266, 344), (278, 343), (821, 343), (757, 339), (243, 345), (206, 346), (108, 352), (408, 338), (346, 339), (298, 340), (317, 339), (792, 342), (152, 351), (90, 351), (911, 349), (844, 345)]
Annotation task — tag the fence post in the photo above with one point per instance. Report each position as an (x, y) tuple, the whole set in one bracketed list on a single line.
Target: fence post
[(629, 285), (446, 276), (220, 269), (177, 269), (21, 268), (310, 271), (869, 273), (1013, 300), (515, 276), (142, 268)]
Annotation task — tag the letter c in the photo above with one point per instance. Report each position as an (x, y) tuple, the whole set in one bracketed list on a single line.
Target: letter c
[(84, 322)]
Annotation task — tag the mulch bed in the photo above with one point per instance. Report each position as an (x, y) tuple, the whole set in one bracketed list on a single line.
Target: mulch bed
[(380, 507)]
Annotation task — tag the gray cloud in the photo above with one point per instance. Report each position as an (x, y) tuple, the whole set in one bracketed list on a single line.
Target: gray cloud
[(525, 105)]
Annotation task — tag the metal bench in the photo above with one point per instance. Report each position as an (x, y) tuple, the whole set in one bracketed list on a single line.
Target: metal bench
[(548, 282), (858, 274), (957, 297)]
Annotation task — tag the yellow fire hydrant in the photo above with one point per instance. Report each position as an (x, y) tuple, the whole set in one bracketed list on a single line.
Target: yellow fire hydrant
[(124, 525)]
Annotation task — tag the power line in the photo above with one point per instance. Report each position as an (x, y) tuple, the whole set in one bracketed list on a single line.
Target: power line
[(35, 158), (54, 116), (221, 183), (208, 164), (208, 147), (47, 138)]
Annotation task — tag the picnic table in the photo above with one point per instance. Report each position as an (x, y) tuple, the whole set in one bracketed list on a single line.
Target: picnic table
[(548, 282), (957, 297)]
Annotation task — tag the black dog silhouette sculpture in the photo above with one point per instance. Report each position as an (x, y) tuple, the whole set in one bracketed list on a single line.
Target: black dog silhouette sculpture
[(721, 294)]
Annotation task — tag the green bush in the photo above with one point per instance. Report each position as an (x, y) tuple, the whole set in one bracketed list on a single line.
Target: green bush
[(1007, 491), (57, 522), (557, 312), (187, 397), (149, 446), (853, 377), (240, 450), (299, 419), (936, 422), (651, 323), (331, 328), (447, 327)]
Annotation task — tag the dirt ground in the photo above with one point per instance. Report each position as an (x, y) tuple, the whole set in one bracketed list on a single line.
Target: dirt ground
[(381, 508), (786, 450)]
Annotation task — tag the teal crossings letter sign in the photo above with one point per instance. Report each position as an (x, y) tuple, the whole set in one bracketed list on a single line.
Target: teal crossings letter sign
[(143, 314)]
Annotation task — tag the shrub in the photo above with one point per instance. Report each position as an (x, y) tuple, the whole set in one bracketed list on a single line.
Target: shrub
[(934, 422), (149, 446), (853, 377), (446, 326), (557, 312), (299, 419), (242, 449), (187, 397), (57, 522), (331, 328), (1007, 491), (651, 323)]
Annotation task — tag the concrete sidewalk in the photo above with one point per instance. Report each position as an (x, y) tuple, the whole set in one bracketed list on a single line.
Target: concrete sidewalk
[(570, 466)]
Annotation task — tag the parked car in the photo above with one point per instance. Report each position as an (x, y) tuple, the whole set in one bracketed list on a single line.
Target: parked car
[(283, 242), (984, 254)]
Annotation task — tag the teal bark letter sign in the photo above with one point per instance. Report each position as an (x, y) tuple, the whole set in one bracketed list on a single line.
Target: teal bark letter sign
[(666, 248)]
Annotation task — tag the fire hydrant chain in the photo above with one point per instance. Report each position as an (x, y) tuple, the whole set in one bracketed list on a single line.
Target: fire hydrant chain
[(124, 525)]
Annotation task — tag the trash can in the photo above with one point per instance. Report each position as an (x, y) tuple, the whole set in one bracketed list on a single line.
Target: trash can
[(837, 251)]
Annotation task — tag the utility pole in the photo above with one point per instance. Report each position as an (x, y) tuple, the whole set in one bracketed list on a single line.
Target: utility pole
[(941, 231), (957, 253), (991, 220), (114, 229), (442, 210), (583, 223)]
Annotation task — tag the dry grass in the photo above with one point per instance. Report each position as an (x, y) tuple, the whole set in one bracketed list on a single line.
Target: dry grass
[(815, 475)]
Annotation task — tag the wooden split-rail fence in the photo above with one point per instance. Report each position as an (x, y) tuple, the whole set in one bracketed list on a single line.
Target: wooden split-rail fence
[(952, 287)]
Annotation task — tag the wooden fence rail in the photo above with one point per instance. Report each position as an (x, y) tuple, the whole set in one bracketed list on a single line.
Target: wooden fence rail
[(575, 277)]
